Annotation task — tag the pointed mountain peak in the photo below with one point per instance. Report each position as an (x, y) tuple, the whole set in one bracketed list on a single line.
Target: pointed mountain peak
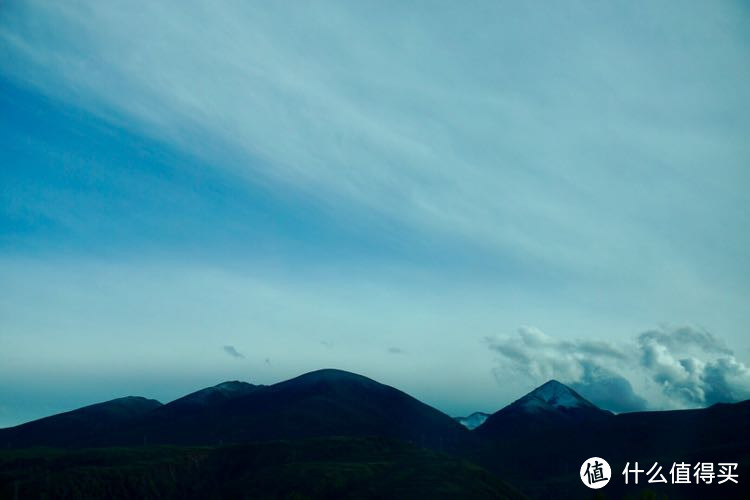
[(557, 394), (552, 404)]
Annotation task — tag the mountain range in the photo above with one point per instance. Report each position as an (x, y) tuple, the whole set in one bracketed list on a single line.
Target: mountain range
[(320, 403), (536, 443)]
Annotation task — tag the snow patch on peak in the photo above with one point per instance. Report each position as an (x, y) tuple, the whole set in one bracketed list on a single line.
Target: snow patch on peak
[(473, 421), (555, 394)]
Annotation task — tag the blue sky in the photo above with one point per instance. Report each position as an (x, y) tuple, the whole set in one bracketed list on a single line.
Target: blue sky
[(461, 201)]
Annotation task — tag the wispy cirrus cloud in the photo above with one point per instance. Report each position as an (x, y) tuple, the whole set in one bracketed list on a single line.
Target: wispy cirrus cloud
[(449, 119)]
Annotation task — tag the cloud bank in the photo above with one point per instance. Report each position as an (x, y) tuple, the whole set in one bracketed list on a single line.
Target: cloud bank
[(673, 367)]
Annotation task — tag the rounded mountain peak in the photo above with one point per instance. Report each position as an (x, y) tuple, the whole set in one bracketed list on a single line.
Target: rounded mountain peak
[(330, 375)]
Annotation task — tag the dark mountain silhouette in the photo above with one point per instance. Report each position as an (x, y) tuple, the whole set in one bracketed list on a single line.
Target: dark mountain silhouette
[(541, 440), (536, 443), (550, 406), (321, 403), (77, 426)]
